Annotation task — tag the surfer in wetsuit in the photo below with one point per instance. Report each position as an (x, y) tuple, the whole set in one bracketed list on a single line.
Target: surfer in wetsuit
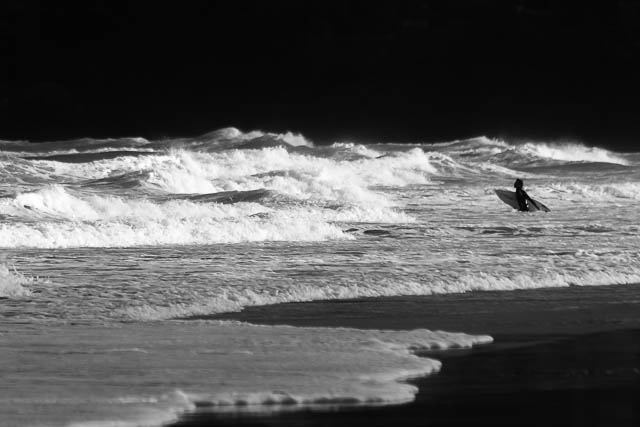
[(522, 196)]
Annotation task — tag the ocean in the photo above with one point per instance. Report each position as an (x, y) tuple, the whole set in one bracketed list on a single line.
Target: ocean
[(116, 253)]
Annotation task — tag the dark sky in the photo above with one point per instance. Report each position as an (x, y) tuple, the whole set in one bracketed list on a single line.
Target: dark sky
[(401, 70)]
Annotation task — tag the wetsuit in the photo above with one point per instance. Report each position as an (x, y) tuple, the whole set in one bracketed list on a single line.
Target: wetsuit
[(522, 197)]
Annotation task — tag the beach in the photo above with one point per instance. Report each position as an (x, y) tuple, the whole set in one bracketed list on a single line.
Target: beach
[(566, 357)]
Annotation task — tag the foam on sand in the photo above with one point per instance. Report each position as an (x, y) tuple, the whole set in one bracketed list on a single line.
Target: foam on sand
[(229, 299), (180, 365)]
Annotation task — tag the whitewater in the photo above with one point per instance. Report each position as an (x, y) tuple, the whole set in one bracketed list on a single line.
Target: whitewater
[(114, 251)]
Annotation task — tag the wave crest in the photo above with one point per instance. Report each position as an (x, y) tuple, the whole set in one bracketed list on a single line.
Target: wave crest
[(573, 153)]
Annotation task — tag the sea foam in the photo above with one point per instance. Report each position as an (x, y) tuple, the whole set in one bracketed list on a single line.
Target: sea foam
[(14, 284), (187, 364), (58, 217), (572, 152), (230, 299), (596, 192)]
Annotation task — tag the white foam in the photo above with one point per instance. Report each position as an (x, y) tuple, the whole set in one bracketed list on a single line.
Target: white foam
[(496, 151), (90, 219), (301, 176), (359, 149), (572, 153), (224, 133), (12, 283), (57, 217), (595, 192), (169, 231), (75, 146), (295, 139), (188, 363), (481, 147), (230, 299), (232, 133)]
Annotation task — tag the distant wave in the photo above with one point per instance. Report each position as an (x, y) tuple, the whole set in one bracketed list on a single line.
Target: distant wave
[(573, 153), (88, 157), (221, 139), (298, 175), (589, 167), (474, 150), (74, 145), (232, 138), (234, 134), (528, 154)]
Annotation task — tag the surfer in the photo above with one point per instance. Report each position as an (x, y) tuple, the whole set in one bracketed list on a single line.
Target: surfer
[(522, 196)]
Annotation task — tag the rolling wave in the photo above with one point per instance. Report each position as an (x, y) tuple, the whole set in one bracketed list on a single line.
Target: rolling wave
[(132, 191), (229, 145), (221, 139), (88, 157), (530, 153), (57, 216), (573, 153)]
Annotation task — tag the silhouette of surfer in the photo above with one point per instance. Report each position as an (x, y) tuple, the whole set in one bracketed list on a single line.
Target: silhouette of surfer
[(522, 196)]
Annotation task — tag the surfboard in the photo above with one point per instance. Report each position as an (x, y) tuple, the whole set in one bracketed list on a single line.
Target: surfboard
[(509, 197)]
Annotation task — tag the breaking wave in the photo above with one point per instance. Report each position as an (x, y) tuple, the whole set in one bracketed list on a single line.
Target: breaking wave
[(573, 153), (526, 154), (131, 191)]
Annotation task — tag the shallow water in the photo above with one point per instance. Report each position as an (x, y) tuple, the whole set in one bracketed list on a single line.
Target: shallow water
[(108, 240)]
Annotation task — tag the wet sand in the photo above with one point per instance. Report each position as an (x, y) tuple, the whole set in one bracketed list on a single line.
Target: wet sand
[(565, 357)]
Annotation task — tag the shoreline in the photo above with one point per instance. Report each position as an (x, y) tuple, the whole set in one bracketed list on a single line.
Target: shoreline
[(561, 356), (558, 311)]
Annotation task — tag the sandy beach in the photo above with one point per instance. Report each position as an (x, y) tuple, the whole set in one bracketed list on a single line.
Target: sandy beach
[(568, 356)]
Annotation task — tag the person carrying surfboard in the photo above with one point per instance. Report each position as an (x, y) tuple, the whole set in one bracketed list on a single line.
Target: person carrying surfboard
[(518, 199), (522, 196)]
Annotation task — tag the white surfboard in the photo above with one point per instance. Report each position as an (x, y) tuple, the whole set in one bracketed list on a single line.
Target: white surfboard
[(509, 197)]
